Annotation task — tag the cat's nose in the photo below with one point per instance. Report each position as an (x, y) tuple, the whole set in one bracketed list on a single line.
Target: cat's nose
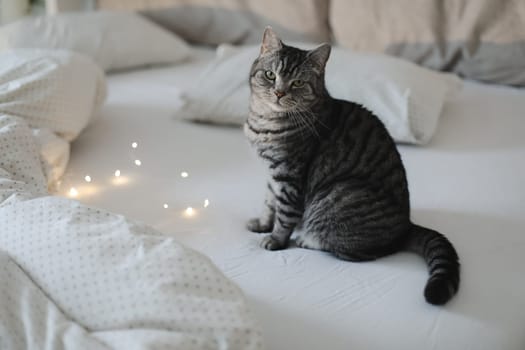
[(279, 94)]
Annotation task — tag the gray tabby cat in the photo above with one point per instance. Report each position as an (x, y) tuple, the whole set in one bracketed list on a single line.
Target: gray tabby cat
[(333, 168)]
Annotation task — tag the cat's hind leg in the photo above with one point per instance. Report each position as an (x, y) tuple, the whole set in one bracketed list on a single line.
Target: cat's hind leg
[(310, 240), (356, 222)]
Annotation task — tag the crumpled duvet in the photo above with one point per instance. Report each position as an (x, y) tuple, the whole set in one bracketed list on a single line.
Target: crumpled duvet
[(76, 277)]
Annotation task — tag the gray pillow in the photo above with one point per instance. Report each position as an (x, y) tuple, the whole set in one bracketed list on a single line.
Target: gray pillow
[(233, 21)]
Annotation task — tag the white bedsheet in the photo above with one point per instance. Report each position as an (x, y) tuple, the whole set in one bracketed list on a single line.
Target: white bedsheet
[(78, 277), (468, 184)]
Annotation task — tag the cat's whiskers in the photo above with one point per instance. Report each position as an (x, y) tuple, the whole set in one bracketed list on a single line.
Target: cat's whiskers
[(306, 120), (297, 122), (313, 116)]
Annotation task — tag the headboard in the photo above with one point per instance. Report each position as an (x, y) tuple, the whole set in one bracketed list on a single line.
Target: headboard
[(482, 40)]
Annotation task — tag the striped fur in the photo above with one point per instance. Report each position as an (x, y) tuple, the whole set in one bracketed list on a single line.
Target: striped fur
[(333, 168)]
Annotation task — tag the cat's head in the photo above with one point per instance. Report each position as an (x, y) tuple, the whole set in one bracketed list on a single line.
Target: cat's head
[(286, 78)]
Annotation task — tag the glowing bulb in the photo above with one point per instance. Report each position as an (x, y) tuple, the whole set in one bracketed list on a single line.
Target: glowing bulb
[(119, 179), (87, 178), (138, 162), (134, 144), (73, 192), (189, 211), (184, 174), (206, 203), (165, 206)]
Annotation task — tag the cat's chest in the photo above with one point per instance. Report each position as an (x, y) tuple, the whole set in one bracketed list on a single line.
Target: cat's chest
[(278, 145), (265, 132)]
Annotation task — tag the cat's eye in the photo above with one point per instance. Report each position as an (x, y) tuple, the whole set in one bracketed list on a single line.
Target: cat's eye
[(298, 83), (269, 75)]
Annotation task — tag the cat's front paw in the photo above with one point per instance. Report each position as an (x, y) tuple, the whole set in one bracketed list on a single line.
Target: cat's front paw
[(270, 243), (255, 225)]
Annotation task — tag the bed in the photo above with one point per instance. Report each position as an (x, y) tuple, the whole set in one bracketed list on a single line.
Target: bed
[(200, 183), (143, 242)]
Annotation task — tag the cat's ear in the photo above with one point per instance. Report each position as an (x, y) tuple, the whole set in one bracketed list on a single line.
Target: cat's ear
[(270, 42), (320, 55)]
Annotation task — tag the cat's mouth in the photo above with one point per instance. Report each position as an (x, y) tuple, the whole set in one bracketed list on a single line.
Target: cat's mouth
[(278, 105)]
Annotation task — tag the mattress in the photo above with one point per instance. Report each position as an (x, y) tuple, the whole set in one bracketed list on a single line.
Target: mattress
[(201, 183)]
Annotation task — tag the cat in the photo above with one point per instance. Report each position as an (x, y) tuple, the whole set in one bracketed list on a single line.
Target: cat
[(334, 169)]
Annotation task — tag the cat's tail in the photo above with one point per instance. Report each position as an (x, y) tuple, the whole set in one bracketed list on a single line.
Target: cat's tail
[(442, 261)]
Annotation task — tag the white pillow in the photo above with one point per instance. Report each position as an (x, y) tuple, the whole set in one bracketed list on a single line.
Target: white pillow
[(406, 97), (114, 40), (57, 90)]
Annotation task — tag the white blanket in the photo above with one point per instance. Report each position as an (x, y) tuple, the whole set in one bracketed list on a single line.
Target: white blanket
[(76, 277)]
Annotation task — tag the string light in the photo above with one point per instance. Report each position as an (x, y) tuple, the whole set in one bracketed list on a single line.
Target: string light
[(165, 206), (87, 178), (138, 162), (206, 203), (119, 178), (189, 211), (184, 174), (134, 144), (73, 192)]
